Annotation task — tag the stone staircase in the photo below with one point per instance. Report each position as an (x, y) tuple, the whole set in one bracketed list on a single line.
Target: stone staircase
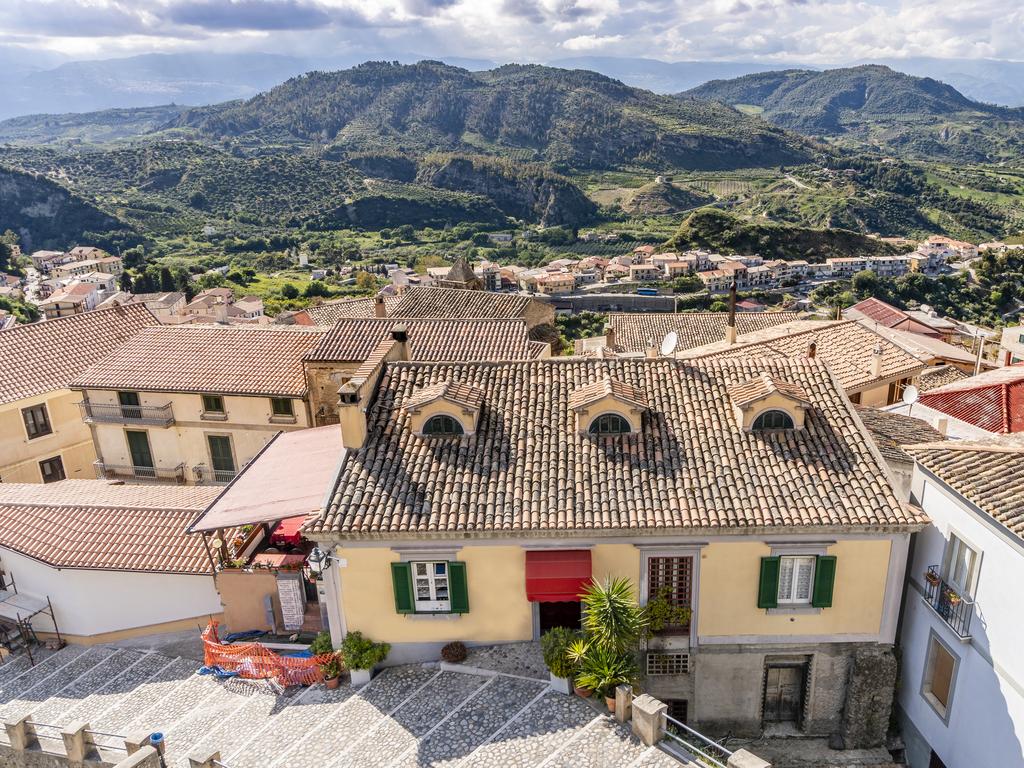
[(407, 717)]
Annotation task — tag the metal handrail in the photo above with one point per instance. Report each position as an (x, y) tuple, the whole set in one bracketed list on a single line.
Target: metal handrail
[(112, 471), (947, 601), (695, 749), (115, 413)]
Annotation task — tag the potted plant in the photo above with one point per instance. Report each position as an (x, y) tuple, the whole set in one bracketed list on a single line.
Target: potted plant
[(332, 671), (575, 652), (953, 597), (554, 645), (662, 614), (321, 644), (361, 655), (454, 652), (932, 578), (602, 668)]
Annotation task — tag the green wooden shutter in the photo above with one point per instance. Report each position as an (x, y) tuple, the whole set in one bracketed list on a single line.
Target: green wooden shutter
[(824, 581), (401, 577), (458, 588), (768, 589)]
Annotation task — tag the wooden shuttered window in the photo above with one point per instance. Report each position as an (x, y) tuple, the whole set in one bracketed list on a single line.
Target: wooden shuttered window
[(405, 590), (821, 590)]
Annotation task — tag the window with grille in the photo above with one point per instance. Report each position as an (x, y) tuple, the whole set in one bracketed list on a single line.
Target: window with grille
[(678, 709), (668, 663), (671, 578)]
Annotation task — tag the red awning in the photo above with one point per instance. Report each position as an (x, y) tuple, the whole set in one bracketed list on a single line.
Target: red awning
[(554, 576), (287, 531)]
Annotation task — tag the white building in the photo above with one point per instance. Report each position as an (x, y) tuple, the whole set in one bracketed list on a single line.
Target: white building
[(961, 698)]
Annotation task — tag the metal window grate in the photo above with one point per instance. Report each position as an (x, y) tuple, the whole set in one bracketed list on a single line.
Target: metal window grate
[(672, 576), (668, 664), (678, 709)]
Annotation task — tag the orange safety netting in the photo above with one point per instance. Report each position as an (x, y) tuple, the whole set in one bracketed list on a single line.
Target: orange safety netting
[(257, 662)]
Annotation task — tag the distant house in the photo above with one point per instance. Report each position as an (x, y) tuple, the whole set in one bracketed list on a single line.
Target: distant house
[(886, 315), (74, 299), (1011, 345)]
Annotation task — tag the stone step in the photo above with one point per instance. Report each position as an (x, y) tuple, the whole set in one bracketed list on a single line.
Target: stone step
[(467, 729), (115, 690), (535, 734), (604, 742), (31, 698), (180, 701), (287, 728), (78, 690), (14, 666), (361, 713), (32, 675), (413, 719), (219, 705), (159, 688), (654, 757)]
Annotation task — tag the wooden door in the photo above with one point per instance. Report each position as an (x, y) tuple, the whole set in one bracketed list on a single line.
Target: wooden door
[(142, 456), (784, 692)]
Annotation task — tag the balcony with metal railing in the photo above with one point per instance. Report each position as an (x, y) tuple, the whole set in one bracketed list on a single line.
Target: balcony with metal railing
[(129, 472), (203, 475), (951, 606), (114, 413)]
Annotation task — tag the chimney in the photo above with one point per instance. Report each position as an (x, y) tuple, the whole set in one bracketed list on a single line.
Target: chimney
[(220, 311), (609, 336), (812, 350), (400, 335), (876, 361), (379, 309), (651, 350), (730, 329), (943, 426), (351, 416)]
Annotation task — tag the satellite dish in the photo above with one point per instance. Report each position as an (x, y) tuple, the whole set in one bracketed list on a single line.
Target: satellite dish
[(910, 394), (669, 343)]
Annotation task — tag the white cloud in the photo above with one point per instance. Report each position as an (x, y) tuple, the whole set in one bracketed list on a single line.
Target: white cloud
[(590, 42)]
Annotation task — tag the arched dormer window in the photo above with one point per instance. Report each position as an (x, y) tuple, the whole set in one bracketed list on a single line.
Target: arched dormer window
[(773, 420), (610, 424), (442, 425)]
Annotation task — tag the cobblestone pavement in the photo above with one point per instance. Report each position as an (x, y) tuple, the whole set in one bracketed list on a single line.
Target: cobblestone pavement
[(415, 716), (521, 659)]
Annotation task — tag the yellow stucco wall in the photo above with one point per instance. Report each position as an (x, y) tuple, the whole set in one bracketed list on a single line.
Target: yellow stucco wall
[(729, 577), (71, 440)]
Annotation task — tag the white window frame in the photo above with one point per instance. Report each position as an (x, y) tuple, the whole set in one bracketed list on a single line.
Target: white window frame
[(432, 581), (928, 676), (958, 544), (793, 599)]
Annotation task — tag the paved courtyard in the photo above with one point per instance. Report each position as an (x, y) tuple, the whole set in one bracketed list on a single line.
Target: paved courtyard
[(407, 717)]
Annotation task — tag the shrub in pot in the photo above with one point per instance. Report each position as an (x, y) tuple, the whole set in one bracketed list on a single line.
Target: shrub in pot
[(554, 645), (361, 655), (321, 644), (454, 652), (332, 671)]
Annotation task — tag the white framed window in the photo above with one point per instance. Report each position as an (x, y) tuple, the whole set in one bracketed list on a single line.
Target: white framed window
[(430, 583), (796, 579), (939, 679), (961, 565)]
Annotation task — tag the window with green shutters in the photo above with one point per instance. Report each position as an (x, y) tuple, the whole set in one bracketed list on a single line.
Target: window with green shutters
[(435, 586), (795, 580)]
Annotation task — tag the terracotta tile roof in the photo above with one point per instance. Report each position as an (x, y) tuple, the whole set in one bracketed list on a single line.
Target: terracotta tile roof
[(761, 386), (331, 312), (877, 311), (222, 359), (993, 400), (458, 392), (940, 376), (437, 339), (528, 471), (990, 474), (633, 330), (455, 303), (93, 524), (891, 431), (845, 345), (604, 387), (47, 356)]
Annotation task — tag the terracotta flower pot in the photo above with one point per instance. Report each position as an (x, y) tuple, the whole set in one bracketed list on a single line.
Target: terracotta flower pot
[(609, 701), (583, 693), (332, 682)]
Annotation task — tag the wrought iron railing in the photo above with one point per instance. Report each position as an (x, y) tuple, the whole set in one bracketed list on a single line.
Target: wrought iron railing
[(113, 413), (203, 475), (130, 472), (703, 749), (954, 608)]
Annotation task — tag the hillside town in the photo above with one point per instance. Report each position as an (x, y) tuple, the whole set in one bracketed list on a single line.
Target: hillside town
[(394, 529)]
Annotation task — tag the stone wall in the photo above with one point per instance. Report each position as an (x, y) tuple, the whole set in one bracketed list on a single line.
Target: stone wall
[(27, 745)]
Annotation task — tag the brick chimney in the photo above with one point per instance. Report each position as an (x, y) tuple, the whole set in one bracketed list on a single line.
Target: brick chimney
[(730, 328), (379, 310), (876, 361)]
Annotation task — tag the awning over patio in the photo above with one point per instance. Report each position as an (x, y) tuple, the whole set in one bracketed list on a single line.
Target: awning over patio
[(287, 531), (554, 576)]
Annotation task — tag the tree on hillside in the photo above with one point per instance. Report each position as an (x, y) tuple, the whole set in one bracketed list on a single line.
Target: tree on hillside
[(125, 281), (166, 280)]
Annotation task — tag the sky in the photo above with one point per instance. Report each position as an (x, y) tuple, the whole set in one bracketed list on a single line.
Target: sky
[(816, 32)]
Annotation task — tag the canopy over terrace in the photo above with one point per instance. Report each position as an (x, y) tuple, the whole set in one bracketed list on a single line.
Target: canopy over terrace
[(286, 479)]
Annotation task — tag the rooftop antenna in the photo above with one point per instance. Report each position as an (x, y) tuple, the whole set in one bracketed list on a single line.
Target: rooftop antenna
[(669, 343), (910, 395)]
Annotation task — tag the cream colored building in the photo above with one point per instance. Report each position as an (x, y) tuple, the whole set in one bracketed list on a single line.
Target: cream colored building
[(194, 403), (42, 436)]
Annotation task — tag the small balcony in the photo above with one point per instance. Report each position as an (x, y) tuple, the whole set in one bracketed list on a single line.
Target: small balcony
[(131, 473), (203, 475), (952, 607), (113, 413)]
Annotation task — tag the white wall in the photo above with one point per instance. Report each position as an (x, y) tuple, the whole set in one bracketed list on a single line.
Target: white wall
[(986, 712), (95, 602)]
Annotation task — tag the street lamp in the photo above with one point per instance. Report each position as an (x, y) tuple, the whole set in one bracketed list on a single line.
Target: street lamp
[(319, 561)]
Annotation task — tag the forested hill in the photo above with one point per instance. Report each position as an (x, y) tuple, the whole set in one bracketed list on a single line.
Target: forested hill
[(571, 119), (875, 104)]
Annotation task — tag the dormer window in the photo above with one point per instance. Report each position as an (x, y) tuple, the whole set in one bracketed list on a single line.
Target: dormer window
[(610, 424), (767, 403), (608, 407), (445, 409), (772, 420), (442, 424)]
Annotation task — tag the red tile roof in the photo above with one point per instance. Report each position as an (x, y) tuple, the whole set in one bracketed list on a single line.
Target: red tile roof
[(993, 401)]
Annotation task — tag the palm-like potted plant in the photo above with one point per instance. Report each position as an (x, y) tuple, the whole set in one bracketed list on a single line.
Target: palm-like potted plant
[(603, 668), (554, 645), (362, 655)]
